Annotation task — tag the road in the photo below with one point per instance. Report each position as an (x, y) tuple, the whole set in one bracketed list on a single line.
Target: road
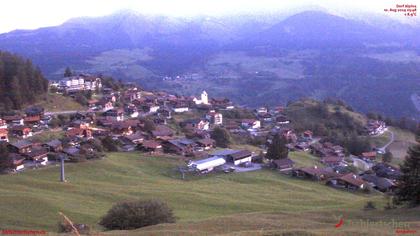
[(54, 113), (383, 148)]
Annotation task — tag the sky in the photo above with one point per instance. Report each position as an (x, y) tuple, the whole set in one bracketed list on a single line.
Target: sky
[(32, 14)]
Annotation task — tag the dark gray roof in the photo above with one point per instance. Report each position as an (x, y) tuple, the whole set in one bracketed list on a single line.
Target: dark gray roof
[(54, 143), (22, 144)]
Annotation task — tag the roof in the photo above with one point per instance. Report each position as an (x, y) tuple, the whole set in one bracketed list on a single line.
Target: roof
[(151, 144), (135, 136), (206, 160), (352, 179), (380, 182), (206, 141), (37, 152), (181, 143), (20, 127), (241, 154), (22, 144), (54, 143), (369, 154), (71, 151), (224, 152), (14, 117), (332, 159), (284, 162)]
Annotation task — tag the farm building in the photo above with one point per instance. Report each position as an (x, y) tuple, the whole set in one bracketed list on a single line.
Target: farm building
[(207, 164)]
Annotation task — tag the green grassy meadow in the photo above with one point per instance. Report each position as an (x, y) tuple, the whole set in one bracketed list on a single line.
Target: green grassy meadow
[(32, 199)]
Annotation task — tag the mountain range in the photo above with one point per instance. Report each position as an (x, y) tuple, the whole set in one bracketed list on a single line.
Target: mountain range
[(255, 60)]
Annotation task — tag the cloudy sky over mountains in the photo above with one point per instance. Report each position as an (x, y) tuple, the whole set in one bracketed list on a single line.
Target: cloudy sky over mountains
[(23, 14)]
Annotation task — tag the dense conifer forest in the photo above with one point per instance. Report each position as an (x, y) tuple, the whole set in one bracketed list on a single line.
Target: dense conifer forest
[(20, 81)]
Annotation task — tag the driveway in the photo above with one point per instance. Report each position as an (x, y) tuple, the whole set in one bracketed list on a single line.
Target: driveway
[(383, 148), (254, 167)]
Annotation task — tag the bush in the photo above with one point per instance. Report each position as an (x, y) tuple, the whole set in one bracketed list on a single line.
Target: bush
[(370, 206), (137, 214)]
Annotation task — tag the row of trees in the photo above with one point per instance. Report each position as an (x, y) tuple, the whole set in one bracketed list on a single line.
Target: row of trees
[(20, 81)]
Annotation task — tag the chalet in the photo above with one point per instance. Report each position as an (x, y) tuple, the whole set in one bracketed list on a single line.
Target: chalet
[(121, 128), (13, 120), (239, 157), (151, 146), (105, 104), (93, 103), (262, 110), (131, 110), (215, 118), (375, 127), (302, 146), (71, 151), (362, 164), (114, 114), (180, 146), (308, 134), (54, 145), (332, 161), (136, 138), (38, 155), (180, 108), (165, 113), (314, 173), (4, 135), (195, 124), (380, 183), (266, 117), (132, 94), (349, 181), (206, 143), (150, 108), (284, 164), (251, 124), (20, 147), (222, 103), (31, 120), (3, 124), (207, 164), (282, 120), (17, 161), (21, 131), (369, 155), (386, 171), (80, 124), (162, 131), (75, 133)]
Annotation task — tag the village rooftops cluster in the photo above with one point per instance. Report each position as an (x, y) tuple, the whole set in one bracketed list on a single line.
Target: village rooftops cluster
[(163, 123)]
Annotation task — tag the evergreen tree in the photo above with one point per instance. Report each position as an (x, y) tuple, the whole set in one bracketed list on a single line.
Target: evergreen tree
[(20, 82), (221, 136), (278, 148), (408, 190), (67, 72), (387, 157), (5, 161)]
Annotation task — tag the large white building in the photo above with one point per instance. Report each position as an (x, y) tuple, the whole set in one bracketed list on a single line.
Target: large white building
[(80, 82), (207, 164)]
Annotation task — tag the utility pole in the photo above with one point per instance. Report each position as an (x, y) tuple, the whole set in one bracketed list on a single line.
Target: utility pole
[(62, 176)]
